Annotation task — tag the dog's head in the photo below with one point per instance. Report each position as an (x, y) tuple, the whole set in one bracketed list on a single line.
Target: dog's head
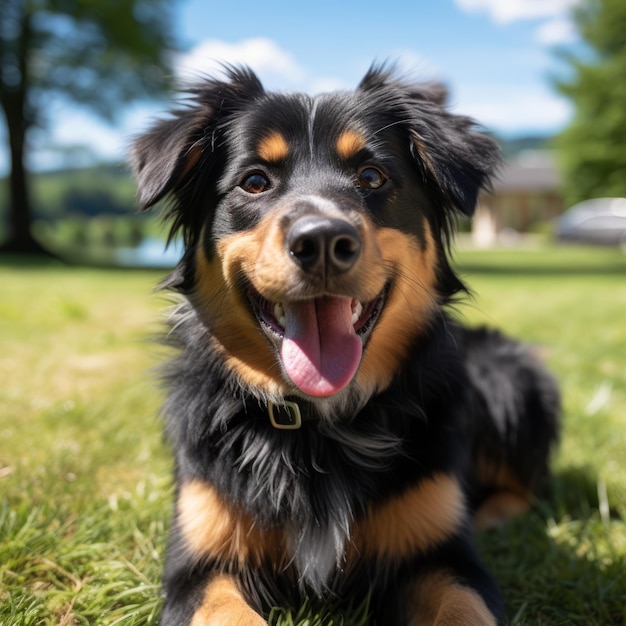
[(315, 228)]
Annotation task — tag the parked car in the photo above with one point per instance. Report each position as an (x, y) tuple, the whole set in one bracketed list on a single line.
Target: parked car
[(599, 221)]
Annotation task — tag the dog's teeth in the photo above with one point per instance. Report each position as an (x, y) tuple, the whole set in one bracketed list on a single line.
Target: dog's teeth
[(357, 310), (279, 314)]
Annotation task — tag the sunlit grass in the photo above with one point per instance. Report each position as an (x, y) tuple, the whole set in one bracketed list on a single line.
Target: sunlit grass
[(85, 475)]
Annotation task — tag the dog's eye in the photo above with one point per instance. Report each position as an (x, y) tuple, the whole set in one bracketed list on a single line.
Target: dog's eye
[(371, 177), (255, 183)]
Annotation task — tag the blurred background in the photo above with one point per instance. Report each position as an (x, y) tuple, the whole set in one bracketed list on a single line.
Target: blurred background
[(79, 79)]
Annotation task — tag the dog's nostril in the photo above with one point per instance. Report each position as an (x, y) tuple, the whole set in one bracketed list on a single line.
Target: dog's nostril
[(322, 245), (345, 250), (306, 250)]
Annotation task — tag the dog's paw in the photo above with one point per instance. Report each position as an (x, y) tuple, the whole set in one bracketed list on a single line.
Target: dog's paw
[(224, 605), (244, 617)]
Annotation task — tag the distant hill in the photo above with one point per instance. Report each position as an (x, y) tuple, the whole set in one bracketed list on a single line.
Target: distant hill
[(512, 147), (57, 192)]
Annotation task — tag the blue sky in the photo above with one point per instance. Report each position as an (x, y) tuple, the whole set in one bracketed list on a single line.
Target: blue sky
[(496, 57)]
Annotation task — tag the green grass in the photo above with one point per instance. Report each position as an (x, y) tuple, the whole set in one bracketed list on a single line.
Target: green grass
[(85, 477), (85, 485)]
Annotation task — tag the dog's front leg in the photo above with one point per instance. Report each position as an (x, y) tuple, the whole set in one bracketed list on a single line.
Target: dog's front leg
[(432, 575), (223, 604), (441, 600)]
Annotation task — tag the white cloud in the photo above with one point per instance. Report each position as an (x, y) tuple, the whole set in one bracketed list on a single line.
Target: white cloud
[(264, 56), (506, 11), (276, 67), (512, 109), (556, 31)]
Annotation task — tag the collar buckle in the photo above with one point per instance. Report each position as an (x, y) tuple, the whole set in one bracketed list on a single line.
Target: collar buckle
[(286, 416)]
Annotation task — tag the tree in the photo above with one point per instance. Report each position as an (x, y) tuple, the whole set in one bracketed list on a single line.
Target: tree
[(98, 54), (592, 149)]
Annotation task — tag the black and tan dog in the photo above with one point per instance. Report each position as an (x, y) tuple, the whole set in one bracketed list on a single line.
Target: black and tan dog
[(336, 433)]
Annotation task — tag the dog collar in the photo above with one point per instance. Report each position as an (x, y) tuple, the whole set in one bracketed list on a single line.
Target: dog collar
[(289, 415)]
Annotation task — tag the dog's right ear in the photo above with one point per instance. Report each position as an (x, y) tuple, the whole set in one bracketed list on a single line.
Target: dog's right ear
[(163, 157), (166, 158)]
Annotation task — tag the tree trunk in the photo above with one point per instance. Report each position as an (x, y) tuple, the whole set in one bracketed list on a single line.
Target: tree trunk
[(20, 212), (20, 238), (14, 103)]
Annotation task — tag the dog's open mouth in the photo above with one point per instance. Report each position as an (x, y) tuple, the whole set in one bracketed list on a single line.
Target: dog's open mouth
[(320, 340)]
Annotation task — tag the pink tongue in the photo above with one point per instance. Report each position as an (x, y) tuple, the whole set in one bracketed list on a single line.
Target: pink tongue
[(321, 352)]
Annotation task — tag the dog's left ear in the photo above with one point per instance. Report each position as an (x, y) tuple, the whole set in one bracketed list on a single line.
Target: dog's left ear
[(453, 155), (451, 149)]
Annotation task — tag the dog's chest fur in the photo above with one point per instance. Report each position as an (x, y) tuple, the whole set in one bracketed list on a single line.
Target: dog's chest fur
[(317, 551), (310, 488)]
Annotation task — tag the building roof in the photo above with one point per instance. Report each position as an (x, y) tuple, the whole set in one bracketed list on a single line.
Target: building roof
[(530, 171)]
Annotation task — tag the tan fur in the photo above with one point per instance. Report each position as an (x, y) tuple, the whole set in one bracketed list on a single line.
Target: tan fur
[(273, 148), (265, 260), (408, 307), (441, 601), (418, 519), (349, 144), (509, 498), (192, 159), (423, 152), (212, 528), (224, 605), (236, 333), (499, 508)]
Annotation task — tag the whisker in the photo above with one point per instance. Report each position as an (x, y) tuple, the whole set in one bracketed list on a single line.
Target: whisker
[(411, 279), (391, 125)]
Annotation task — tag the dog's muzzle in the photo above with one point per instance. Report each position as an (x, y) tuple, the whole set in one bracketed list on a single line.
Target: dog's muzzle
[(323, 246)]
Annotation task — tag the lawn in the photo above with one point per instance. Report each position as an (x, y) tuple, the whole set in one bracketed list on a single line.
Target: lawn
[(85, 477)]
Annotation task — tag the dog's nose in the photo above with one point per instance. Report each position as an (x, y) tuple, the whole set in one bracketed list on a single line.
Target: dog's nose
[(323, 245)]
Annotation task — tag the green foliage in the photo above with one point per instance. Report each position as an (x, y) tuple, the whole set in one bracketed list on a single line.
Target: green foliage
[(593, 148), (85, 479), (95, 53), (98, 54)]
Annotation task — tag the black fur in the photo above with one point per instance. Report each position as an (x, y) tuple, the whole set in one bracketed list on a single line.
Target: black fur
[(462, 396)]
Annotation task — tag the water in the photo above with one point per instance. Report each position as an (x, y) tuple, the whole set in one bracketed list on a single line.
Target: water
[(151, 252)]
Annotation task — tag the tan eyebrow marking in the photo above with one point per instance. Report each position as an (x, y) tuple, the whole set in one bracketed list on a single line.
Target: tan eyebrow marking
[(273, 148), (349, 144)]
